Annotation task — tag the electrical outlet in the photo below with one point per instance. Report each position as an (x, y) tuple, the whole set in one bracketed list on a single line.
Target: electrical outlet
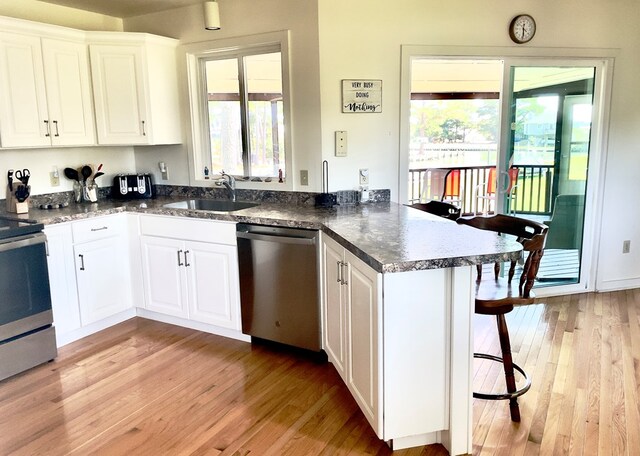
[(626, 246), (164, 170), (364, 176), (304, 177), (54, 176)]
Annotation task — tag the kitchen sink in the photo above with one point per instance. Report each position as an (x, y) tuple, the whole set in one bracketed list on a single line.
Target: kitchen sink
[(211, 205)]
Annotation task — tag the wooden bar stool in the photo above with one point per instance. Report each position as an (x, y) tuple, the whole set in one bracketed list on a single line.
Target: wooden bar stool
[(495, 296), (439, 208)]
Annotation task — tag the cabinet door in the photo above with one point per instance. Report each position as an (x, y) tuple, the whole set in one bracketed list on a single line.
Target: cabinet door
[(334, 306), (119, 93), (102, 274), (164, 278), (212, 277), (62, 279), (23, 104), (66, 69), (363, 332)]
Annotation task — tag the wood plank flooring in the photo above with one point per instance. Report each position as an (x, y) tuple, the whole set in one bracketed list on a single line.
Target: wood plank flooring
[(583, 355), (147, 388)]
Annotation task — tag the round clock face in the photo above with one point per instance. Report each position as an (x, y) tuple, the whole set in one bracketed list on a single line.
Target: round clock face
[(522, 28)]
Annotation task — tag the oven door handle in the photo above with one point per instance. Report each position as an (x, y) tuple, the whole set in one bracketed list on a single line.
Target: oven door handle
[(24, 241)]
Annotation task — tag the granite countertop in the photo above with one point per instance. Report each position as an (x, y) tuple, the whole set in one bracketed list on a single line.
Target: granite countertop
[(389, 237)]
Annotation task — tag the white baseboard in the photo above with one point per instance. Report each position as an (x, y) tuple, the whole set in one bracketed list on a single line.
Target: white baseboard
[(77, 334), (414, 441), (225, 332), (620, 284)]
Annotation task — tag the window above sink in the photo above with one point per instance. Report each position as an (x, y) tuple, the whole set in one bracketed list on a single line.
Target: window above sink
[(240, 110)]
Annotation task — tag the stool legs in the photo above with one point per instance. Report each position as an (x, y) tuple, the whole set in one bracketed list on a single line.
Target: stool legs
[(505, 346)]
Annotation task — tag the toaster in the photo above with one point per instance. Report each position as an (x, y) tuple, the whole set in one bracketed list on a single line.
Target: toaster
[(132, 186)]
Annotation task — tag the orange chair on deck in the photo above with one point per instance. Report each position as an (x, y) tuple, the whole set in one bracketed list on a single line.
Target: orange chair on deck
[(442, 185)]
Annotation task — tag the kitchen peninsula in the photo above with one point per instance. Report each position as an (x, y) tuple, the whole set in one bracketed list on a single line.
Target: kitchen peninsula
[(406, 352)]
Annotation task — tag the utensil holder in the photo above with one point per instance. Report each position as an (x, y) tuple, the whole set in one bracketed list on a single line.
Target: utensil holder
[(84, 192)]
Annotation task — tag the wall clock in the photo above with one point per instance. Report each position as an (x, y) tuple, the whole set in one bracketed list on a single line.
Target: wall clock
[(522, 28)]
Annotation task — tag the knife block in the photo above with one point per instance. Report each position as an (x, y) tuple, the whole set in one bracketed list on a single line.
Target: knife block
[(13, 205)]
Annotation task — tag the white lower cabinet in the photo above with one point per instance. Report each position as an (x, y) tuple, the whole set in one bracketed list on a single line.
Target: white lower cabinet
[(102, 274), (353, 296), (164, 275), (335, 313), (190, 270), (102, 267), (391, 348), (62, 279), (89, 275)]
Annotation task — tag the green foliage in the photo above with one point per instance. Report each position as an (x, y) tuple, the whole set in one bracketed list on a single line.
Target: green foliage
[(452, 120)]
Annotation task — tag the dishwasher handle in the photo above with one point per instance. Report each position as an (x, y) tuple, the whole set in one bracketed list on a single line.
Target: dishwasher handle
[(276, 238)]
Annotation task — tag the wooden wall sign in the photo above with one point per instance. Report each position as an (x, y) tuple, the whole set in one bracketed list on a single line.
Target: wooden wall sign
[(361, 95)]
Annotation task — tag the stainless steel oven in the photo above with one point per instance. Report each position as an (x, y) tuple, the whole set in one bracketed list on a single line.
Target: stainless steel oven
[(27, 335)]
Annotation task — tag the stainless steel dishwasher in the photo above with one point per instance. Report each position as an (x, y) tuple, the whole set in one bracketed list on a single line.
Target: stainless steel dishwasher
[(279, 284)]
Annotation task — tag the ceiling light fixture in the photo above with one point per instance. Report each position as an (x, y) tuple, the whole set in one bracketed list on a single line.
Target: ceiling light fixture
[(211, 15)]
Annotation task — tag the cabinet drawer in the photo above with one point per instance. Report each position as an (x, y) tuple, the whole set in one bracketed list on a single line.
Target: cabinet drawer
[(97, 228), (189, 229)]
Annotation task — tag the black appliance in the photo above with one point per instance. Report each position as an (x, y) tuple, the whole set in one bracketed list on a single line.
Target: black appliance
[(132, 186), (27, 335)]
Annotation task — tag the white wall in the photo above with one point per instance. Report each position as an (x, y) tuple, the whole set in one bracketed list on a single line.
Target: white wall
[(240, 18), (41, 162)]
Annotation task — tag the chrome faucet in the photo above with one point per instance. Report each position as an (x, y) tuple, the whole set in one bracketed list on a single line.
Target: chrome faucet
[(229, 182)]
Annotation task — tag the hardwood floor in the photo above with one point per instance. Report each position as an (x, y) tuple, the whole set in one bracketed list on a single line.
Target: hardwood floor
[(147, 388), (583, 355)]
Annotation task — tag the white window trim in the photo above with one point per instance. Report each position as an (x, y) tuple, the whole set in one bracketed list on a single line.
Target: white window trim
[(197, 150)]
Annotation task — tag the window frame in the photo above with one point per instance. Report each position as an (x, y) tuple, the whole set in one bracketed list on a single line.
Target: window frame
[(199, 142)]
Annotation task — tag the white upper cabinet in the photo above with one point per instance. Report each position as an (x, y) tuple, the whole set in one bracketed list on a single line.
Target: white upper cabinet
[(23, 104), (45, 92), (66, 71), (51, 77), (135, 88)]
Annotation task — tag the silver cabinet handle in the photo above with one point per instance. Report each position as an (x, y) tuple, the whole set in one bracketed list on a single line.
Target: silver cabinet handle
[(144, 131), (344, 282), (55, 123), (81, 262), (339, 271), (186, 261), (180, 262), (48, 133), (100, 229)]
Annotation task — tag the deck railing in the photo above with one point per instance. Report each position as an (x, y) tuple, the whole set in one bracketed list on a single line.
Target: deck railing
[(533, 193)]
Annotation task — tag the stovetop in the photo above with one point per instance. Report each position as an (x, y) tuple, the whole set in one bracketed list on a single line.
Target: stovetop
[(16, 226)]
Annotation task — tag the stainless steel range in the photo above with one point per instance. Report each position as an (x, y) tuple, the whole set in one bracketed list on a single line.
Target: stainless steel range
[(27, 335)]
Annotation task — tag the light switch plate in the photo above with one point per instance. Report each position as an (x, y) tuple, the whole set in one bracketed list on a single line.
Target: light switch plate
[(304, 177), (341, 143)]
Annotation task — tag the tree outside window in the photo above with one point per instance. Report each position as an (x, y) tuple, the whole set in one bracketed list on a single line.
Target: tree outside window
[(245, 113)]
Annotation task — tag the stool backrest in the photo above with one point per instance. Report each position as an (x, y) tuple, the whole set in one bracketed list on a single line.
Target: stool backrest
[(532, 235), (439, 208)]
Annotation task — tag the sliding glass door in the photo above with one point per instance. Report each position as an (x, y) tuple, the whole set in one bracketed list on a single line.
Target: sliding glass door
[(520, 136), (547, 140)]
